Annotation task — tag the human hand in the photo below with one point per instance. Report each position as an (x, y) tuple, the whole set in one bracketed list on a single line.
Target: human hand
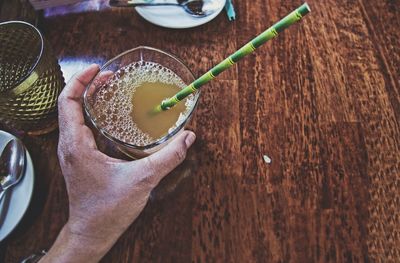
[(105, 194)]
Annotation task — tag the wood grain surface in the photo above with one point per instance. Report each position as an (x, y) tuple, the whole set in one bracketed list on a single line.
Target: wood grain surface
[(322, 101)]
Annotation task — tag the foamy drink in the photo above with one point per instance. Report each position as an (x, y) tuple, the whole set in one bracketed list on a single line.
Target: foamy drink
[(123, 105)]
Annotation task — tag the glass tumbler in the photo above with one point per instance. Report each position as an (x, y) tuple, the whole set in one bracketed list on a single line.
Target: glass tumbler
[(30, 80), (111, 71)]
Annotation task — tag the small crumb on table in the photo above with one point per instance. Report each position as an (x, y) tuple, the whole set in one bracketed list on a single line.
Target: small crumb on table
[(267, 159)]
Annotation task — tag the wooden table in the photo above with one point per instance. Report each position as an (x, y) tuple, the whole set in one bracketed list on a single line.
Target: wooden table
[(322, 101)]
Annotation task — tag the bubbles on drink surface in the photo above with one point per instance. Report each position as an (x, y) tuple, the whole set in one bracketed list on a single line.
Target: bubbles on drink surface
[(112, 102)]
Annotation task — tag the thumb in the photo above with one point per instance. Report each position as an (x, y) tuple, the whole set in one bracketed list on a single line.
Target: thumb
[(159, 164)]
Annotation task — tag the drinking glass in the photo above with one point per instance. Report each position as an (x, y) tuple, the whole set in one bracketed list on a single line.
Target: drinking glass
[(109, 71), (30, 79)]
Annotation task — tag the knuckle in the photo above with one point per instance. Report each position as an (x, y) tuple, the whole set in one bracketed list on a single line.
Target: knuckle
[(67, 154), (150, 166), (150, 175), (180, 154), (66, 158)]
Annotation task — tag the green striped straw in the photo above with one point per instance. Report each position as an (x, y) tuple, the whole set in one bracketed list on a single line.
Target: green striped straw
[(268, 34)]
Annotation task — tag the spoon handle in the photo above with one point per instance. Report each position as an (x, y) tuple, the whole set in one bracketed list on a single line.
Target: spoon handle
[(5, 206), (134, 3)]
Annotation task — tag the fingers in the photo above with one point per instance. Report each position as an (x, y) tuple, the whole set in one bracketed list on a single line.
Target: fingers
[(159, 164), (71, 120), (77, 84), (99, 81)]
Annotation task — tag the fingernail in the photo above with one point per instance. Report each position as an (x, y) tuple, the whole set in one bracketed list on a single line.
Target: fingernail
[(190, 138)]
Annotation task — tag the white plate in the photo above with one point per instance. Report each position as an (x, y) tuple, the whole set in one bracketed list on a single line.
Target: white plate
[(18, 197), (175, 17)]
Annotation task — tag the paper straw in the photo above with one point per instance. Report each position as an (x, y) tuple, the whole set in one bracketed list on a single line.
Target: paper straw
[(250, 47)]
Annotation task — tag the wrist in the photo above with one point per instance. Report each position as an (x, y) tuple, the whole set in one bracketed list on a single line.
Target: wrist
[(75, 247)]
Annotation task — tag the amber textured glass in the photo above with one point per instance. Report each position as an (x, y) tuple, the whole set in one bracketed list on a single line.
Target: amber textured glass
[(30, 79)]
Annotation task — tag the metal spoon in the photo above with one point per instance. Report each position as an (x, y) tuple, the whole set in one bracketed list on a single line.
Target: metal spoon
[(12, 165), (196, 8)]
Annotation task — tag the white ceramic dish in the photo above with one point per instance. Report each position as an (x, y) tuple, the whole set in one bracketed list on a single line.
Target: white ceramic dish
[(175, 17), (18, 197)]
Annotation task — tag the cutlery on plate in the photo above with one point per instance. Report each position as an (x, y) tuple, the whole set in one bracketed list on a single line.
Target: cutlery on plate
[(196, 8), (12, 165)]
